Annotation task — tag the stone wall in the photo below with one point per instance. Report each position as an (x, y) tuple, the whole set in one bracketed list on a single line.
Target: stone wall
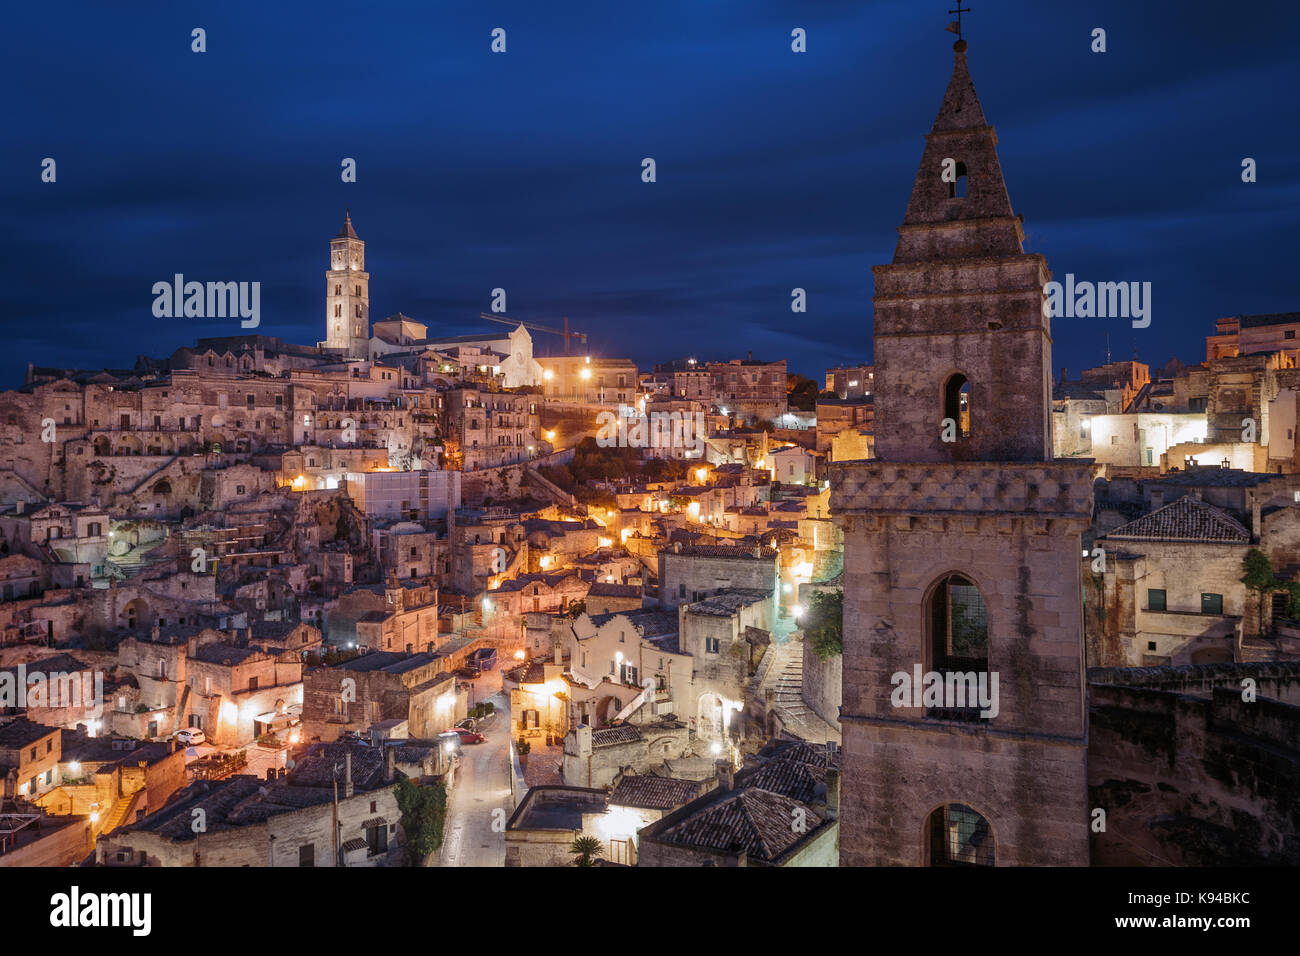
[(1193, 781), (823, 680)]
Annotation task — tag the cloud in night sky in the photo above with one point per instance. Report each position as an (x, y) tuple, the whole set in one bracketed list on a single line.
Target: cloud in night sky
[(522, 170)]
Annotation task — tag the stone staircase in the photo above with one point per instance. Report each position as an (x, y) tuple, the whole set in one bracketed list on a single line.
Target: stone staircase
[(789, 683), (786, 680), (122, 811)]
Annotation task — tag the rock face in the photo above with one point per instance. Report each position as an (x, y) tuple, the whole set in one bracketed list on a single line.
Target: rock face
[(963, 494)]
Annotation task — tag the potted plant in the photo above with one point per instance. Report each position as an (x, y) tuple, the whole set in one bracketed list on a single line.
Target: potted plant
[(523, 746)]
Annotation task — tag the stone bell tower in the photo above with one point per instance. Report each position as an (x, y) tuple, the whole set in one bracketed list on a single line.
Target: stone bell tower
[(347, 294), (962, 542)]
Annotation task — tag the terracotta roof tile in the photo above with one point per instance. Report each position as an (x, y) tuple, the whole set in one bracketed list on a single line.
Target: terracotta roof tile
[(1187, 519)]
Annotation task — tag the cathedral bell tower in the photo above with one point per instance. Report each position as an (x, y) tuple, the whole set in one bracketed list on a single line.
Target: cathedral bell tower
[(347, 294), (964, 708)]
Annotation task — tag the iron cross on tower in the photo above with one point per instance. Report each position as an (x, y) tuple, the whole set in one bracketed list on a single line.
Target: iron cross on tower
[(959, 11)]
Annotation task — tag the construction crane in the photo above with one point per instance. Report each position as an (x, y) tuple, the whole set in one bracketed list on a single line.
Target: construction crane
[(506, 320)]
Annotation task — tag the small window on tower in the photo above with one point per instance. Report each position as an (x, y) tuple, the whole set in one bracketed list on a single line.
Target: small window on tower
[(956, 402), (338, 311), (358, 310), (957, 190)]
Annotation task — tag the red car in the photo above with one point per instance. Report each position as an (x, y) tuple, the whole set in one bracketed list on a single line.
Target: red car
[(468, 736)]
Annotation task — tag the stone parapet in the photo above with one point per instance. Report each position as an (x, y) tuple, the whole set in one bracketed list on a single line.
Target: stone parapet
[(1005, 489)]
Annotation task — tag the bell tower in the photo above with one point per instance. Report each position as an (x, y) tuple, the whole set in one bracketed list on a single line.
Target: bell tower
[(347, 294), (964, 706)]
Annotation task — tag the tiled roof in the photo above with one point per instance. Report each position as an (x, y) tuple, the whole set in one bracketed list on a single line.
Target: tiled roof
[(356, 843), (754, 816), (654, 793), (224, 654), (612, 736), (755, 821), (20, 732), (722, 551), (1187, 519), (727, 603)]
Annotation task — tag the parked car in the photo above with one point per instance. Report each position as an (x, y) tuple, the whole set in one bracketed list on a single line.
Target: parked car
[(190, 736), (469, 723), (468, 736)]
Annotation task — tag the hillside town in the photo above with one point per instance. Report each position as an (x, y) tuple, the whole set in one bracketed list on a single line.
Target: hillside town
[(279, 604)]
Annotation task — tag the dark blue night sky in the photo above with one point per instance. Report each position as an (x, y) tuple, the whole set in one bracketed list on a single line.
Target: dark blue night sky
[(522, 170)]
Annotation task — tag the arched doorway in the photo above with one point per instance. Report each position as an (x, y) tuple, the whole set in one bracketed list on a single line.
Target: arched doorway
[(710, 719), (135, 613)]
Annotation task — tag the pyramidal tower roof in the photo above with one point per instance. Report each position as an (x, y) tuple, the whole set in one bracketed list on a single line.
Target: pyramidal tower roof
[(961, 106), (959, 182), (347, 232)]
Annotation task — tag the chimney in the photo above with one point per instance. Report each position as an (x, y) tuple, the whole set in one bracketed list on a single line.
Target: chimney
[(559, 653), (832, 793), (270, 773), (233, 634), (726, 777), (1063, 374), (156, 631), (390, 764), (347, 773), (20, 506)]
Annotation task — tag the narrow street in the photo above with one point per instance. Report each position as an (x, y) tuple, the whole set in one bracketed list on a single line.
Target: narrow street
[(482, 786)]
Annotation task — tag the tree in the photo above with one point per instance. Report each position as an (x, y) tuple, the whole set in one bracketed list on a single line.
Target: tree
[(424, 812), (1259, 573), (824, 623), (802, 392), (1259, 577), (587, 850)]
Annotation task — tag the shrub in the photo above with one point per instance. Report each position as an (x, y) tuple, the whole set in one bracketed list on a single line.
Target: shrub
[(824, 623), (424, 812)]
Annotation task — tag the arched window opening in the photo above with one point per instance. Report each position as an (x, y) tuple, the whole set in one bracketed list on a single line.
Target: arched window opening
[(957, 190), (959, 645), (960, 837), (956, 403)]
